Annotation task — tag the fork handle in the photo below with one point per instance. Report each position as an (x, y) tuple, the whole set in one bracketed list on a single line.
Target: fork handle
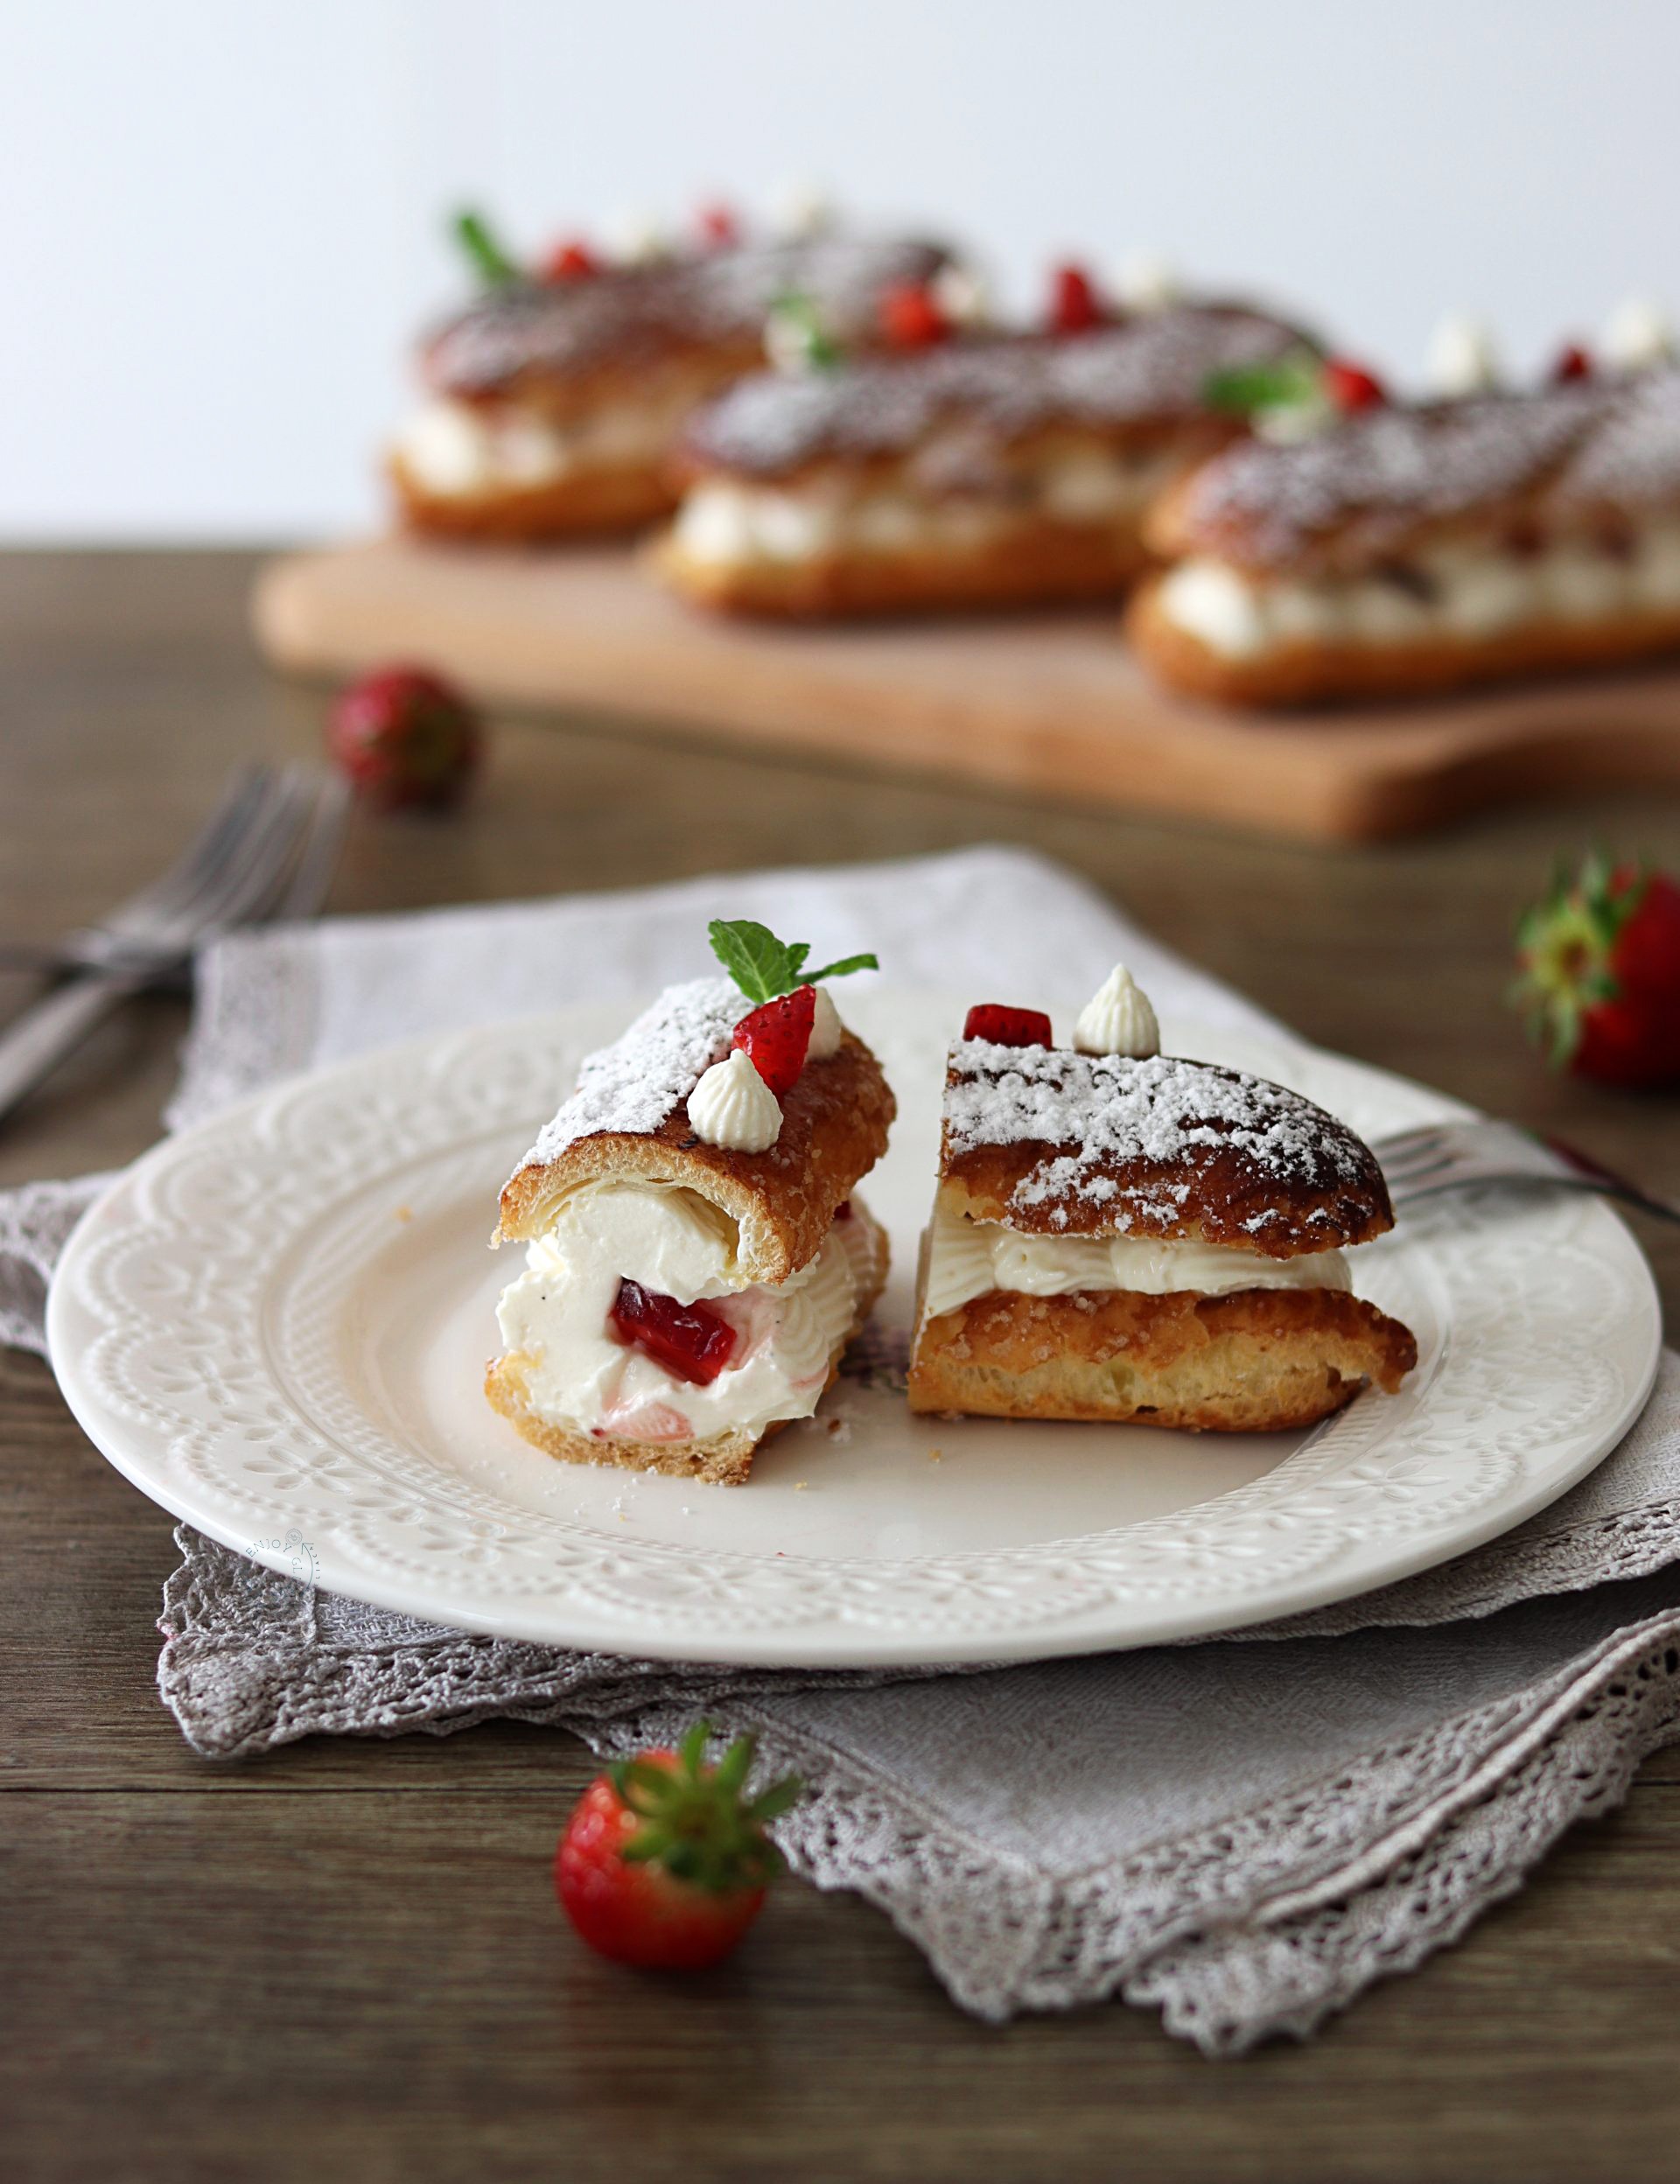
[(1588, 1186), (33, 1044), (1639, 1200)]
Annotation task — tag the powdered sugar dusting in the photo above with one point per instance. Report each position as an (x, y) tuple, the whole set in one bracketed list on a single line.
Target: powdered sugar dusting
[(1154, 366), (1387, 471), (1631, 459), (644, 1076), (571, 325), (1097, 1111)]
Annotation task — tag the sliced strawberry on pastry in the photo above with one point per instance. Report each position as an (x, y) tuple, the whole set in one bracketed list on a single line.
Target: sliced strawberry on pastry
[(776, 1037)]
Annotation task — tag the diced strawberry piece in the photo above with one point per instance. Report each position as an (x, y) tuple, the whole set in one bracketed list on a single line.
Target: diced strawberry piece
[(775, 1037), (570, 261), (1074, 305), (1351, 387), (842, 1211), (911, 317), (719, 225), (1007, 1027), (691, 1341), (1573, 362)]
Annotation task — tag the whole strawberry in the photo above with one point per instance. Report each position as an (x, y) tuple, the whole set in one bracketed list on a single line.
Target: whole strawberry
[(664, 1862), (1600, 977), (405, 737)]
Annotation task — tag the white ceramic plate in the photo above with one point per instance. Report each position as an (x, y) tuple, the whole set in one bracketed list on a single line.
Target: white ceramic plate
[(277, 1324)]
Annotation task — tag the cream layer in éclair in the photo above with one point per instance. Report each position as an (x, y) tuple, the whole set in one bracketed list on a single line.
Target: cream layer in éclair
[(557, 1316), (969, 1258)]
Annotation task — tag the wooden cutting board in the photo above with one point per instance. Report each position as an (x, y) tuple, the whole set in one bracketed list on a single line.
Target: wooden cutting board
[(1047, 704)]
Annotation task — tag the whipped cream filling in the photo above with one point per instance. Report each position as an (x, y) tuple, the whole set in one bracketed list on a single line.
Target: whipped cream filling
[(970, 1258), (457, 450), (1462, 592), (724, 522), (580, 1375)]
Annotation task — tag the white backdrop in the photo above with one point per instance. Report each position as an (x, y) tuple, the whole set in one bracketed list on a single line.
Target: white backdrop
[(221, 216)]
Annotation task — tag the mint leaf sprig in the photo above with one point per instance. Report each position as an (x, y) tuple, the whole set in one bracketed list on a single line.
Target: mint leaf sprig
[(490, 261), (1242, 388), (795, 338), (762, 966)]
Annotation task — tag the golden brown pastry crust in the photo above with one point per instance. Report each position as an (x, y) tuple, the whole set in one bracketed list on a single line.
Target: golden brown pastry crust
[(725, 1459), (1255, 1361), (1331, 1196), (1305, 673), (834, 1127), (1034, 561), (624, 497)]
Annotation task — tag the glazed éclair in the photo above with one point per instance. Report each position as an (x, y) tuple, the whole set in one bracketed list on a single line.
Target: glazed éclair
[(1122, 1236), (552, 403), (1412, 549), (696, 1257), (969, 471)]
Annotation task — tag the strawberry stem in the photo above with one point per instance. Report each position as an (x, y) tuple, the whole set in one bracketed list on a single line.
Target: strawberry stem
[(695, 1822)]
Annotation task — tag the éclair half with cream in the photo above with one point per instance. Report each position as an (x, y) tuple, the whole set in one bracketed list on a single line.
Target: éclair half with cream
[(990, 469), (697, 1260), (1415, 548), (552, 405), (1128, 1236)]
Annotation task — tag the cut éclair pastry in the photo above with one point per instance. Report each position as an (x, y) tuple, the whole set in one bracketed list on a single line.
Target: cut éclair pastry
[(1413, 549), (1122, 1236), (988, 470), (697, 1259), (553, 403)]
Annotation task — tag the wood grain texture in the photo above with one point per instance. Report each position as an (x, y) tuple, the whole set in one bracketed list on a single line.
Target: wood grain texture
[(344, 1961), (1049, 704)]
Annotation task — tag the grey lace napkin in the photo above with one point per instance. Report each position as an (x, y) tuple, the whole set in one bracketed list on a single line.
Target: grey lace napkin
[(1243, 1834)]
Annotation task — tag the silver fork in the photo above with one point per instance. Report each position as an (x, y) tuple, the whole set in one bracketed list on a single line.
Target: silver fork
[(275, 855), (1439, 1157), (122, 939)]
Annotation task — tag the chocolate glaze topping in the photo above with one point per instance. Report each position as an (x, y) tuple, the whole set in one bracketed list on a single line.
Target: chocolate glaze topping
[(1150, 366), (537, 329), (1374, 482)]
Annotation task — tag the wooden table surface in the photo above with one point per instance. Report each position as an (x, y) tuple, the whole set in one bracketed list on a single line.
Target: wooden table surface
[(344, 1960)]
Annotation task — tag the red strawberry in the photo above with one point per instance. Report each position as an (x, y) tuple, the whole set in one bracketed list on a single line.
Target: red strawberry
[(1572, 362), (404, 737), (719, 228), (1351, 387), (1007, 1027), (1601, 974), (663, 1863), (774, 1037), (1074, 305), (572, 260), (910, 316), (694, 1341)]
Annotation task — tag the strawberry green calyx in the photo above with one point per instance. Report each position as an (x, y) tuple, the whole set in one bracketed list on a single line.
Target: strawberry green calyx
[(695, 1823), (490, 261), (763, 967), (1566, 951)]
